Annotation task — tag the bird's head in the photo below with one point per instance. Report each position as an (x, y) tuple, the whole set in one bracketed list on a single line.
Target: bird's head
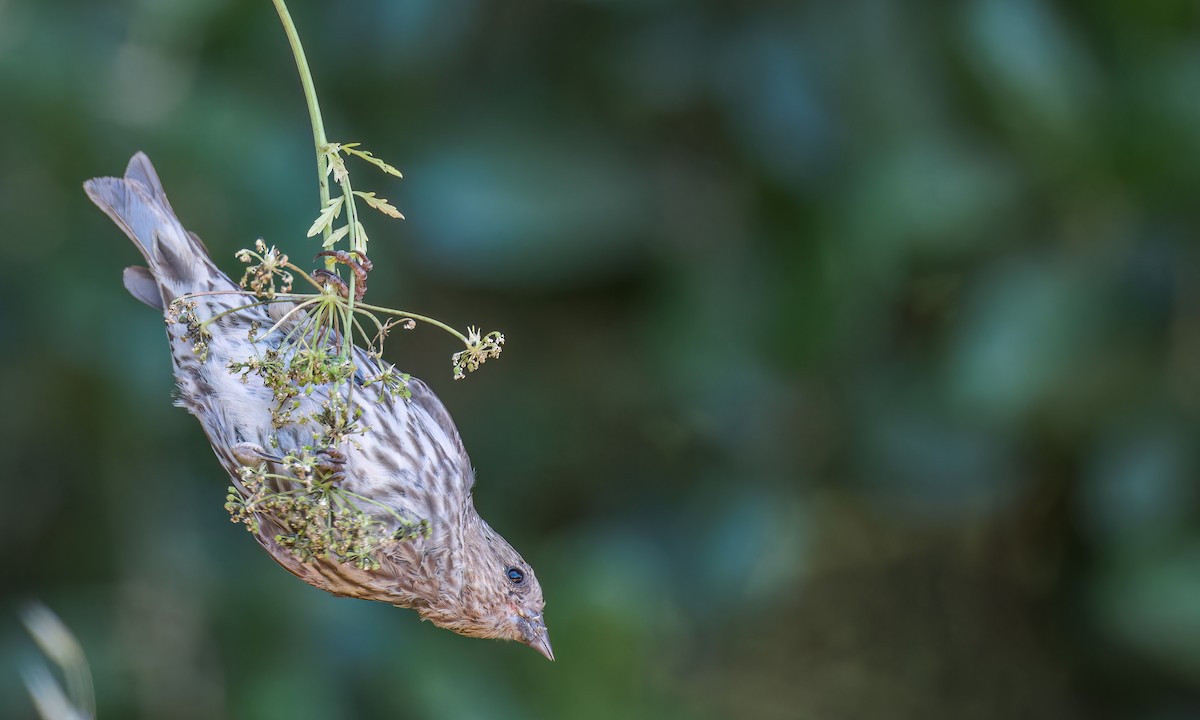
[(499, 598)]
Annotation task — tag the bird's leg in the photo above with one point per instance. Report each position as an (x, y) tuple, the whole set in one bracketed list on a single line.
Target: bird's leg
[(331, 464), (360, 267), (328, 276)]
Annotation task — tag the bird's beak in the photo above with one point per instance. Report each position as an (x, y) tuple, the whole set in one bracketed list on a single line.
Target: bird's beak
[(543, 646), (536, 635)]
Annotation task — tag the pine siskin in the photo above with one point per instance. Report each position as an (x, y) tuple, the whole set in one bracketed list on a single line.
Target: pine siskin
[(383, 515)]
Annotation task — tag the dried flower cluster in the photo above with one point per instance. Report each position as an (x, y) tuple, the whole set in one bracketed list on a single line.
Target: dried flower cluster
[(183, 310), (479, 349), (318, 518), (260, 278)]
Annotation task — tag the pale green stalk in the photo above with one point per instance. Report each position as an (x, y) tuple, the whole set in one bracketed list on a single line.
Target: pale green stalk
[(310, 97), (319, 142)]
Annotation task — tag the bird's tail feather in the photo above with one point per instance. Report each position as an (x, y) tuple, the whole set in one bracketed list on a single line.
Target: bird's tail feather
[(177, 259)]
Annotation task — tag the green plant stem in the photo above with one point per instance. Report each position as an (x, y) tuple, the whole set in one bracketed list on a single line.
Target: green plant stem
[(414, 316), (230, 311), (299, 308), (310, 97), (319, 142)]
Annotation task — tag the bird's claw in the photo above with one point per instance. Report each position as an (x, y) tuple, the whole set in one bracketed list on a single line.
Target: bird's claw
[(331, 463), (360, 267)]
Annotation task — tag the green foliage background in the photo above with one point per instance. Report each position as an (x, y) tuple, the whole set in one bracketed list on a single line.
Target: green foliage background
[(853, 351)]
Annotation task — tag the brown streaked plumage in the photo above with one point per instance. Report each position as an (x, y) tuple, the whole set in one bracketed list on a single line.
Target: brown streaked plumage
[(463, 576)]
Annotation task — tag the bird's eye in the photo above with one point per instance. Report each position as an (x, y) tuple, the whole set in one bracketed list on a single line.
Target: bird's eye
[(515, 575)]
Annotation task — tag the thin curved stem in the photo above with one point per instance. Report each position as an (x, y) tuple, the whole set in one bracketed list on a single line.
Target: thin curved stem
[(362, 331), (223, 313), (290, 313), (378, 325), (414, 316), (304, 275), (310, 97)]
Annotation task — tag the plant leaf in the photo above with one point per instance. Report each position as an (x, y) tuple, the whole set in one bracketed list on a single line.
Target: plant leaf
[(327, 216), (366, 155), (334, 163), (380, 204), (335, 236)]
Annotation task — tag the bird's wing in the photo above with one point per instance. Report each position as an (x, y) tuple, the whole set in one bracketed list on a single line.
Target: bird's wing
[(443, 434), (413, 446)]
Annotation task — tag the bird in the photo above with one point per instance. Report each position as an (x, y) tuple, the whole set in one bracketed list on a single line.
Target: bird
[(409, 473)]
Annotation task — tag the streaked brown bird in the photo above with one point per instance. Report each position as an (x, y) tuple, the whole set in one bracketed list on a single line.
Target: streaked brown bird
[(460, 574)]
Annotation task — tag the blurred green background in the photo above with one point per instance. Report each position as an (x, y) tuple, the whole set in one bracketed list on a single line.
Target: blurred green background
[(853, 356)]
